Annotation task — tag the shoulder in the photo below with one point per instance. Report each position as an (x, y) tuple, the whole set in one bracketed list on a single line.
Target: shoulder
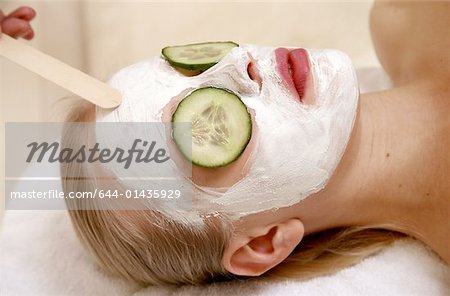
[(411, 37)]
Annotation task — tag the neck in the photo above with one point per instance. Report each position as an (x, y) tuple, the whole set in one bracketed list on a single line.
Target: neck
[(388, 178), (352, 196), (394, 172)]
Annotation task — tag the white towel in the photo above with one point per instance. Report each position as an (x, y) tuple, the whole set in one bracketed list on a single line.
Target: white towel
[(40, 255)]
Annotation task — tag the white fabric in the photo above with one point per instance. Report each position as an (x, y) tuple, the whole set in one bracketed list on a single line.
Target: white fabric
[(40, 255)]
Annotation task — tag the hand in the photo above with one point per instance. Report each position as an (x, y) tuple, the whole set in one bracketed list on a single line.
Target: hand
[(17, 23)]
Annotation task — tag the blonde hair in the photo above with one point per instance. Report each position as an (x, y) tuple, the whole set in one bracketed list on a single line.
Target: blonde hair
[(149, 247)]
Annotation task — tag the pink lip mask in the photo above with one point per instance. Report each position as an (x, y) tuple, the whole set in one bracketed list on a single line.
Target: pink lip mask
[(294, 69), (304, 109)]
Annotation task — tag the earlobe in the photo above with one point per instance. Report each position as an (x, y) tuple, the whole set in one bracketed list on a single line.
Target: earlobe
[(262, 248)]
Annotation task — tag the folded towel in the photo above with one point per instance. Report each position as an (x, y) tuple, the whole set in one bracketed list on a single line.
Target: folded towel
[(40, 255)]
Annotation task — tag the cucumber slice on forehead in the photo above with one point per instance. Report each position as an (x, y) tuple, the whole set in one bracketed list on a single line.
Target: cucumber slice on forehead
[(199, 56), (221, 127)]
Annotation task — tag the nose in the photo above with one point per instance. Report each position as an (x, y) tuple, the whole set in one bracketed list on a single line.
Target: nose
[(233, 73)]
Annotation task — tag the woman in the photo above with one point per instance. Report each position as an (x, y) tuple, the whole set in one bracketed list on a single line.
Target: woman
[(392, 178)]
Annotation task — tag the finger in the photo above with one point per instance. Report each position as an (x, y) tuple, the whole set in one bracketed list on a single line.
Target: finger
[(17, 28), (24, 13), (28, 35), (2, 16)]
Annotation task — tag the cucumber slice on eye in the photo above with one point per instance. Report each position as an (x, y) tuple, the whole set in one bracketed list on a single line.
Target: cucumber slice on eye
[(221, 127), (199, 56)]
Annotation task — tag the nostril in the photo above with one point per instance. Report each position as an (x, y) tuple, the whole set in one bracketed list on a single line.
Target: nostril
[(253, 72)]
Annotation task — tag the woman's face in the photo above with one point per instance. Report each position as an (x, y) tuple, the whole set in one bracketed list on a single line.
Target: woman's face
[(303, 104)]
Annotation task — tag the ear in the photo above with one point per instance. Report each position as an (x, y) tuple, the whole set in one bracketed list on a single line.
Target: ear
[(259, 249)]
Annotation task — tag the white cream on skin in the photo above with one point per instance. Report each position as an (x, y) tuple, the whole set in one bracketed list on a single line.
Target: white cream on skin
[(298, 147)]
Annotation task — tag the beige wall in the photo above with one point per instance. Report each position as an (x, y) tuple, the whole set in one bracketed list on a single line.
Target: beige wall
[(121, 33), (101, 37)]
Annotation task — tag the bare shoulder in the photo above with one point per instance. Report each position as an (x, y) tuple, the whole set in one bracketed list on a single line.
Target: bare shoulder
[(411, 38)]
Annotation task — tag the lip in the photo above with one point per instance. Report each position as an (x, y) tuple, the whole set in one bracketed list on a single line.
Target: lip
[(293, 67)]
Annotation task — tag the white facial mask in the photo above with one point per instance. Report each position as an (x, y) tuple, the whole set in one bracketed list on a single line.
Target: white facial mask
[(298, 146)]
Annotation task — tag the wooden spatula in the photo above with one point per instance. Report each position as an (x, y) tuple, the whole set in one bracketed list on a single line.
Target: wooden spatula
[(60, 73)]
